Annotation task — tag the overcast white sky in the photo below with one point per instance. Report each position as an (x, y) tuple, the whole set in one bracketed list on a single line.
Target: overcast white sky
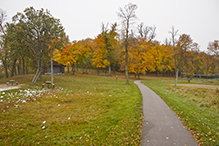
[(83, 18)]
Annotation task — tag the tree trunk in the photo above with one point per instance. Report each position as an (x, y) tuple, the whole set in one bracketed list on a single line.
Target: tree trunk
[(38, 72), (6, 69), (26, 70), (40, 76), (72, 69), (176, 77), (13, 68), (18, 69), (23, 65), (126, 54), (51, 55), (110, 70), (35, 77)]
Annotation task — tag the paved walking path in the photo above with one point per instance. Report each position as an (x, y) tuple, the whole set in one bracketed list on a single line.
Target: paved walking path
[(161, 126)]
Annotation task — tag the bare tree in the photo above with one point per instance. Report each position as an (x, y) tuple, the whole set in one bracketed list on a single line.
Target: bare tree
[(127, 15), (173, 33), (147, 33), (152, 33), (167, 42), (196, 48), (144, 31)]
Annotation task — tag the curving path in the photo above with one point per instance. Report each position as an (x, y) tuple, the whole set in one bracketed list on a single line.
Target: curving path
[(161, 126)]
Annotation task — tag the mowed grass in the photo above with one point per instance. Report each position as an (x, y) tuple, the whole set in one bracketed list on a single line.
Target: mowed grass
[(197, 108), (81, 110)]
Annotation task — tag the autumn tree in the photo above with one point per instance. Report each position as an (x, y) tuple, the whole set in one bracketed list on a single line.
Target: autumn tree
[(208, 63), (157, 57), (12, 45), (84, 53), (99, 59), (39, 27), (18, 52), (4, 51), (213, 48), (197, 63), (71, 54), (127, 15), (57, 53), (139, 59), (110, 43), (183, 45)]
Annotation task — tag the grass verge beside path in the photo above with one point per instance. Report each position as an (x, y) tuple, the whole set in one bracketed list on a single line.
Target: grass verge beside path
[(198, 109), (81, 110)]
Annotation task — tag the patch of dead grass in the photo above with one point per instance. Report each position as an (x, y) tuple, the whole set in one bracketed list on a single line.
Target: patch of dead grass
[(203, 97)]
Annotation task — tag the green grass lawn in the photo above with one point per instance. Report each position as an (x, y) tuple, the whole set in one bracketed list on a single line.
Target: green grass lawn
[(81, 110), (91, 110), (198, 109)]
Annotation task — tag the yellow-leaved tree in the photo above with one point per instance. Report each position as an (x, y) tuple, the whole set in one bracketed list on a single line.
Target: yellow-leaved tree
[(99, 59), (140, 61)]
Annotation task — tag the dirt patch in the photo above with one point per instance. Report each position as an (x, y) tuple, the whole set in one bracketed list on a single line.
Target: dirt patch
[(198, 86), (4, 87)]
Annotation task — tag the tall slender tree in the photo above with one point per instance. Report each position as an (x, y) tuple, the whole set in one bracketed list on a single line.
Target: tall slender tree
[(127, 15), (173, 33)]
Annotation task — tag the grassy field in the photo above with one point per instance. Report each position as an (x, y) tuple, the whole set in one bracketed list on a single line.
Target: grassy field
[(198, 109), (81, 110), (91, 110)]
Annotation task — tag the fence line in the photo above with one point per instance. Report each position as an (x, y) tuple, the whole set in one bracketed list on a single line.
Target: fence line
[(199, 75)]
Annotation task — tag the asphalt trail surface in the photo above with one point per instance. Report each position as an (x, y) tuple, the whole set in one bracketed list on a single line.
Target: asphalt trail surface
[(161, 126)]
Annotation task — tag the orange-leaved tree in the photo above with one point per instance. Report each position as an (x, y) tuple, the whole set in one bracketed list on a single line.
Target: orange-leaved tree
[(84, 52), (68, 56), (139, 58), (99, 59)]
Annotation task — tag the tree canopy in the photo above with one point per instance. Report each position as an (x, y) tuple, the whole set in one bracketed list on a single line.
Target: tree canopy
[(26, 44), (30, 38)]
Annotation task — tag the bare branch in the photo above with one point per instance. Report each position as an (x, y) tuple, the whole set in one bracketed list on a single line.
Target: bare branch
[(152, 33), (128, 14), (173, 34)]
